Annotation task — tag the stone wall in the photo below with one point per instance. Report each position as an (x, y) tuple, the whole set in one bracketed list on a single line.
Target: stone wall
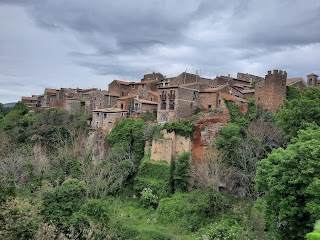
[(271, 91), (168, 146)]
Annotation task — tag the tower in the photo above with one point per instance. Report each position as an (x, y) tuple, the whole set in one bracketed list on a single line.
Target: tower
[(270, 92), (312, 80)]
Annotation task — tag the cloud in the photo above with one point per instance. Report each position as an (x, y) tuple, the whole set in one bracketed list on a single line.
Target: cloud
[(126, 38)]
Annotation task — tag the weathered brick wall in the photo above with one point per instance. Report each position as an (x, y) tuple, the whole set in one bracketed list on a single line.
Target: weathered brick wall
[(118, 89), (271, 91), (206, 99), (186, 101), (72, 105)]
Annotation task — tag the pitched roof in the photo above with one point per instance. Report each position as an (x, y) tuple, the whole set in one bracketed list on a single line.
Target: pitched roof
[(122, 82), (248, 91), (109, 110), (29, 98), (291, 81), (50, 90), (232, 98), (145, 101), (213, 90), (125, 97)]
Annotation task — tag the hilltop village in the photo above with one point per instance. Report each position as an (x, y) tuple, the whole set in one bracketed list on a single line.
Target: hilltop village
[(170, 99), (173, 99)]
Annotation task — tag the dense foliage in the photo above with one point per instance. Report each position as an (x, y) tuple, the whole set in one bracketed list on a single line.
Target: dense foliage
[(290, 179), (299, 110), (184, 127)]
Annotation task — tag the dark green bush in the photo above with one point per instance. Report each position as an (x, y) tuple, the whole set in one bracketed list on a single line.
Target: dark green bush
[(181, 172)]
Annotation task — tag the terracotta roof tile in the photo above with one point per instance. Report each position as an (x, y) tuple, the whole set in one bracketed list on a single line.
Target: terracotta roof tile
[(232, 98), (145, 101), (51, 90)]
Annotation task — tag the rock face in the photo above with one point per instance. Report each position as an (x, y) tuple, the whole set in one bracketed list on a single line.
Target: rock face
[(207, 129)]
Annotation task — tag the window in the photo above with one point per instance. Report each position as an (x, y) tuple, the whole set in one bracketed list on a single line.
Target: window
[(105, 116), (97, 124), (171, 105), (163, 105), (194, 96), (209, 106), (258, 98), (109, 123), (219, 102), (97, 114), (122, 93), (121, 106), (122, 114)]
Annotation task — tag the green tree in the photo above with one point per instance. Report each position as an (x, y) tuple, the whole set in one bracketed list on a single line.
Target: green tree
[(299, 110), (182, 172), (61, 202), (290, 180), (129, 133)]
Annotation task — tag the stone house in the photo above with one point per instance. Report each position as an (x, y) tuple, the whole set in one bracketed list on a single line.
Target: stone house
[(178, 101), (106, 118), (49, 95), (142, 105), (98, 99), (31, 102), (297, 82), (209, 98)]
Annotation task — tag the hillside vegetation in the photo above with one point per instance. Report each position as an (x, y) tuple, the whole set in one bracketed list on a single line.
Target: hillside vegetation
[(53, 187)]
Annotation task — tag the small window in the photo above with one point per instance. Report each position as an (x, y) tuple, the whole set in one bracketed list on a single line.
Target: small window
[(97, 124), (105, 115), (219, 102), (163, 105), (122, 114), (109, 123), (209, 106), (171, 105), (121, 106), (258, 98)]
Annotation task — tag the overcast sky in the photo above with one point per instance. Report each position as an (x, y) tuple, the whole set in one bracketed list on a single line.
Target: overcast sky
[(88, 43)]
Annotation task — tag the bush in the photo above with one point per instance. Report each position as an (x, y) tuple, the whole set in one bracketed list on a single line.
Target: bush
[(184, 128), (182, 172), (191, 210), (226, 229), (61, 202), (155, 176)]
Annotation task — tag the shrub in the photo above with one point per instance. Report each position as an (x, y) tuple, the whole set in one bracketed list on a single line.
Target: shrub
[(191, 210), (226, 229), (61, 202), (155, 176), (182, 172), (184, 128)]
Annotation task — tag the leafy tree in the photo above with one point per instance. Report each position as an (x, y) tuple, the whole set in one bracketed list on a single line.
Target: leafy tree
[(129, 133), (290, 179), (293, 93), (61, 202), (182, 172), (299, 110)]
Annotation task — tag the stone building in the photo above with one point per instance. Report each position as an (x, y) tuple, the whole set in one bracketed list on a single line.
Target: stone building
[(178, 101), (271, 91), (141, 106), (98, 99), (312, 80), (106, 118), (31, 102), (153, 76), (49, 95), (297, 82), (209, 98)]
